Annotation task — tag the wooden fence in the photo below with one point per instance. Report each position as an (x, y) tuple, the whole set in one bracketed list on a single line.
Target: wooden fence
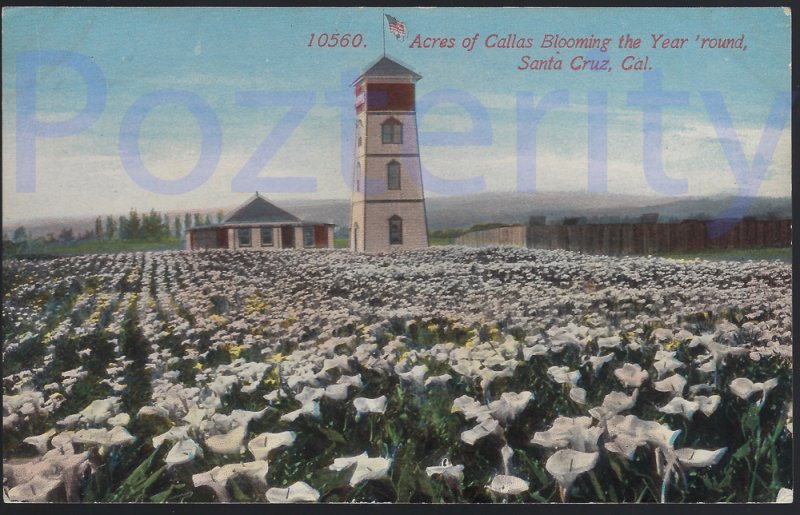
[(515, 235), (638, 238)]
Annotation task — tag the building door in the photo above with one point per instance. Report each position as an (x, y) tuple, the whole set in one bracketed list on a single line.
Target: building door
[(320, 236), (222, 238), (287, 237)]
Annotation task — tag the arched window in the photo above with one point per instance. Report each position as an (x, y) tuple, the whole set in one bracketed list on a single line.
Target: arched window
[(358, 177), (395, 230), (393, 175), (392, 132)]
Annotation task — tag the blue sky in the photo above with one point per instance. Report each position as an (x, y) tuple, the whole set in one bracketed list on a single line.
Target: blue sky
[(214, 53)]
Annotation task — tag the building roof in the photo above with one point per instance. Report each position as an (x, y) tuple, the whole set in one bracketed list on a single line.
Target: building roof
[(259, 210), (387, 67)]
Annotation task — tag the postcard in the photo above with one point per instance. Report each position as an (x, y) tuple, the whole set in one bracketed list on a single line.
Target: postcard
[(400, 255)]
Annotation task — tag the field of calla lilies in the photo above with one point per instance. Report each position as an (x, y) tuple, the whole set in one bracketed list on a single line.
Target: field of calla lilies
[(444, 375)]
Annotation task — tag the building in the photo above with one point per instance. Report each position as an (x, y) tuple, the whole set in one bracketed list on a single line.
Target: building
[(388, 201), (261, 225)]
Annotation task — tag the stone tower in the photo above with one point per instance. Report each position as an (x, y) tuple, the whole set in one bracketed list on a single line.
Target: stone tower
[(388, 202)]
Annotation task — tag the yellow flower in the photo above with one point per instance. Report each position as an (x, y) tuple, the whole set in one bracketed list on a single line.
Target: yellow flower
[(277, 358), (198, 366)]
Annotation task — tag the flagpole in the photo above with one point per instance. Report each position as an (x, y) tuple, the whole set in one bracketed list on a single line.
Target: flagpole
[(383, 30)]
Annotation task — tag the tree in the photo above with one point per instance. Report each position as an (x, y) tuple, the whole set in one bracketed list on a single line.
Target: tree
[(20, 234), (66, 235), (177, 227), (219, 216), (111, 227), (134, 225), (124, 232), (187, 221), (208, 219), (98, 228), (197, 220), (151, 226)]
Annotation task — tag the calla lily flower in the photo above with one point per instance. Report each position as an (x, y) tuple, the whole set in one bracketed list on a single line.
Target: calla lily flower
[(101, 410), (40, 441), (625, 445), (652, 432), (566, 432), (577, 394), (446, 470), (310, 408), (509, 405), (708, 405), (172, 435), (440, 380), (567, 464), (631, 375), (261, 445), (183, 452), (366, 468), (227, 443), (680, 406), (104, 438), (610, 342), (470, 408), (37, 490), (297, 492), (336, 392), (744, 388), (354, 381), (484, 428), (508, 485), (563, 375), (217, 478), (415, 376), (785, 495), (614, 403), (597, 362), (674, 383), (699, 458), (364, 405), (122, 419)]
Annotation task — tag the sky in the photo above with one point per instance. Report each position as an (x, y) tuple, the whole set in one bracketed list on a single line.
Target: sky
[(105, 109)]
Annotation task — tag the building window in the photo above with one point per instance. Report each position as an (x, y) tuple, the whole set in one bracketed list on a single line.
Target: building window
[(392, 132), (308, 236), (393, 175), (359, 141), (266, 237), (244, 237), (395, 230)]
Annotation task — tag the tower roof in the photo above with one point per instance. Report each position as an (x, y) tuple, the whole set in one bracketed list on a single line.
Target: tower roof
[(260, 210), (387, 67)]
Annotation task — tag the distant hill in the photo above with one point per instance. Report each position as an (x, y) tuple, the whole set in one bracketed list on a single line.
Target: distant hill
[(511, 208), (508, 208)]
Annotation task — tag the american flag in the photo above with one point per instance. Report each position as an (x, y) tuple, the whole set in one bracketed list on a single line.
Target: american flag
[(396, 27)]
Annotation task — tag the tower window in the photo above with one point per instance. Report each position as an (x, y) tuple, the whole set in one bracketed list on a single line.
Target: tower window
[(244, 237), (395, 230), (392, 132), (393, 175)]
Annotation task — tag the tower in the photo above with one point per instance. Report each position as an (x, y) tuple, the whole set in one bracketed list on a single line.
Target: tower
[(388, 202)]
